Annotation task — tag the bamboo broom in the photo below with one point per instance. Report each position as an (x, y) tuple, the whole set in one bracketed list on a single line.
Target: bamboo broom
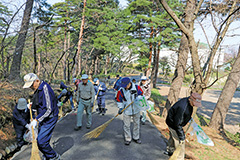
[(179, 147), (153, 120), (35, 152), (97, 131)]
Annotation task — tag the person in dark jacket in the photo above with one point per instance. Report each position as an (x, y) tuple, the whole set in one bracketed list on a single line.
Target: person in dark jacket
[(178, 116), (45, 102), (76, 82), (100, 89), (21, 120), (117, 84), (67, 92)]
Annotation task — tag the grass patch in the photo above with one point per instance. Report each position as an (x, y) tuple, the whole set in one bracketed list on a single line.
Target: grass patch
[(157, 98)]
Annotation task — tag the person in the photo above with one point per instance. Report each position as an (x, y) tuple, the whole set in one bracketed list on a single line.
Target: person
[(178, 116), (67, 92), (117, 83), (146, 87), (76, 82), (134, 80), (85, 98), (100, 89), (21, 120), (45, 102), (125, 95)]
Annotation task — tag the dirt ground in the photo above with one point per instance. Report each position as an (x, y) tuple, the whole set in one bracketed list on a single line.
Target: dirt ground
[(222, 149), (209, 100)]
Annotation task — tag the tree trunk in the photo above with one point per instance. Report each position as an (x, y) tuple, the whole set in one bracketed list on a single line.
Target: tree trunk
[(96, 65), (17, 56), (64, 50), (79, 58), (182, 60), (157, 65), (34, 51), (150, 54), (221, 109)]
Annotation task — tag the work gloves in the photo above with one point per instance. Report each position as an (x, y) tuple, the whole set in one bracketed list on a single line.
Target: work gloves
[(59, 104), (120, 110), (100, 88), (34, 123), (28, 126)]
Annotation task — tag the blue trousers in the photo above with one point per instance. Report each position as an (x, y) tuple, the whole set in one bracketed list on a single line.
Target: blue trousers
[(44, 135), (87, 106), (101, 101), (20, 130)]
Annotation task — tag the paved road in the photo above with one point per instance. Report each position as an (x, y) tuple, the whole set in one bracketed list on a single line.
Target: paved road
[(108, 146)]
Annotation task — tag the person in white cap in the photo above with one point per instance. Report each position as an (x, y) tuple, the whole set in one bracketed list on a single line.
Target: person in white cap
[(146, 87), (100, 89), (85, 98), (45, 102), (21, 120)]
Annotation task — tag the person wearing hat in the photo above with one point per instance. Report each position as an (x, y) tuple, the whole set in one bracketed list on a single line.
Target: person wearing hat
[(125, 95), (67, 92), (100, 89), (146, 87), (117, 84), (178, 116), (85, 98), (45, 102), (21, 120)]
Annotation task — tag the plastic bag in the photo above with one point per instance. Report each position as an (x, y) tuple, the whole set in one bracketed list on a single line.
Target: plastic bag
[(151, 106), (142, 103), (201, 135), (28, 135)]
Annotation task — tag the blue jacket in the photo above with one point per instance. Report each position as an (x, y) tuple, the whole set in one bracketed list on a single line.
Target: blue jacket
[(101, 92), (21, 117), (69, 89), (45, 102)]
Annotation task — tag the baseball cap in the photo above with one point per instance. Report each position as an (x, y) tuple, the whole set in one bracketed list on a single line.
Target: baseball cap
[(143, 78), (125, 81), (29, 79), (196, 99), (22, 104), (84, 76), (95, 80)]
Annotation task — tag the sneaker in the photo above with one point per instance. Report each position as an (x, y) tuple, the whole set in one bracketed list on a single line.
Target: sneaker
[(77, 128), (167, 153), (127, 142), (138, 141)]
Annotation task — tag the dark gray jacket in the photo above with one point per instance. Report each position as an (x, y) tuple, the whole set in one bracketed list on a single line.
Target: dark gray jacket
[(179, 115)]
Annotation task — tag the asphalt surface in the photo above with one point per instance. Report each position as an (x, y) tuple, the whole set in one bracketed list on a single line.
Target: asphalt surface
[(108, 146)]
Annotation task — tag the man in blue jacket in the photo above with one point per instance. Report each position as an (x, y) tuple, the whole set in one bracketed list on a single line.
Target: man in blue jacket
[(178, 116), (100, 89), (21, 120), (67, 92), (45, 102)]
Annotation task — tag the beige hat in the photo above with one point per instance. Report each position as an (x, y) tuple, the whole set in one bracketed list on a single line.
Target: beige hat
[(22, 104), (196, 99), (29, 79)]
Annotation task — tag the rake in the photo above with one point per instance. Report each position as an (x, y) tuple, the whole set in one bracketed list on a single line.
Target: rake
[(97, 131), (153, 120), (35, 152)]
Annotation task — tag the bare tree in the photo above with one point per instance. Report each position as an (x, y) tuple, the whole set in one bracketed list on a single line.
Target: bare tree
[(17, 56), (221, 109)]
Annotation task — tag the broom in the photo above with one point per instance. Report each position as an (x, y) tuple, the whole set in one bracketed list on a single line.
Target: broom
[(35, 152), (178, 149), (153, 120), (97, 131)]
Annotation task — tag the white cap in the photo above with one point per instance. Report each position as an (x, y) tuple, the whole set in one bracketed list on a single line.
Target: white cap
[(143, 78), (29, 79), (84, 76)]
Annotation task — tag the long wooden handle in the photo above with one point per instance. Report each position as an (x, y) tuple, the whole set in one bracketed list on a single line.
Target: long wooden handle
[(124, 109), (30, 109)]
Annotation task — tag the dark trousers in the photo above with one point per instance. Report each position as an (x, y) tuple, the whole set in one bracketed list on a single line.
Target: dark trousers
[(20, 130), (44, 135), (101, 103), (70, 97)]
